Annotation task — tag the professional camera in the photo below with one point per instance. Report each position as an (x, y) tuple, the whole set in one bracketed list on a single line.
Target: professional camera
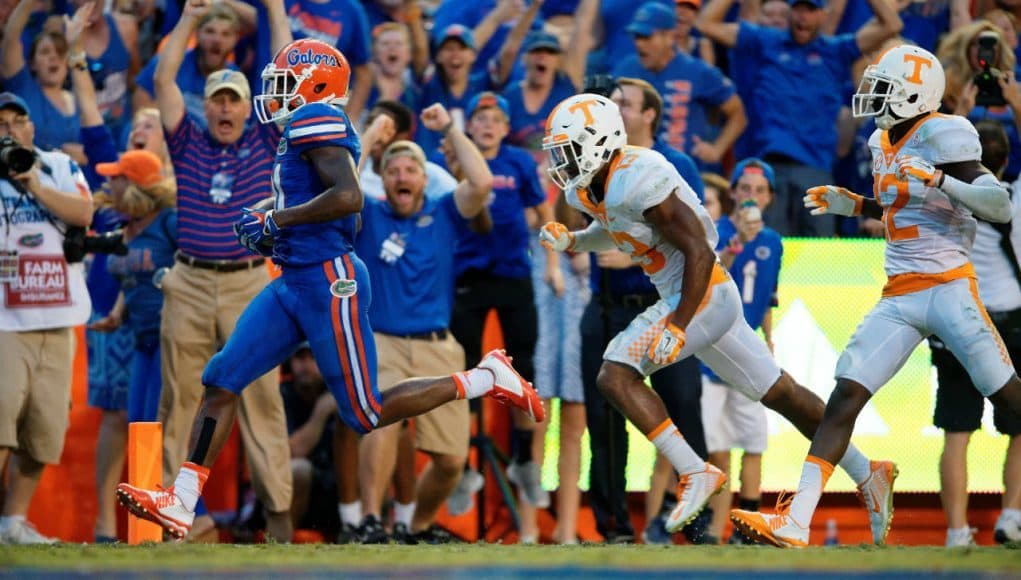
[(987, 80), (78, 243), (14, 158)]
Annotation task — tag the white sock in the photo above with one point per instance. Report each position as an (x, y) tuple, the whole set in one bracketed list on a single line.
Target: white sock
[(403, 512), (350, 513), (856, 464), (189, 482), (814, 476), (669, 442), (473, 383)]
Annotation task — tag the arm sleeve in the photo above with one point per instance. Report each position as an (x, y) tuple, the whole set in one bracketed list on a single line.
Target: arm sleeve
[(985, 196), (179, 138)]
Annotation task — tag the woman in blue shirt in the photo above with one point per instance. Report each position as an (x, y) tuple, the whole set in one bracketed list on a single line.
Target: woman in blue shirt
[(40, 82)]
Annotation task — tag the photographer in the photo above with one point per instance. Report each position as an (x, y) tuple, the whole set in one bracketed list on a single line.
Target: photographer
[(42, 194), (981, 85)]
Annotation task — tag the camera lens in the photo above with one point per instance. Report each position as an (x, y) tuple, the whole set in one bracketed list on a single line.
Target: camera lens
[(18, 159)]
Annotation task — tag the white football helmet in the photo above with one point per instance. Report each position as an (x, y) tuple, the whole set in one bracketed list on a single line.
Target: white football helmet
[(905, 81), (582, 133)]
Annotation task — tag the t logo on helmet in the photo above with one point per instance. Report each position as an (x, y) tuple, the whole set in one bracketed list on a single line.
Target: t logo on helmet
[(584, 107), (919, 63)]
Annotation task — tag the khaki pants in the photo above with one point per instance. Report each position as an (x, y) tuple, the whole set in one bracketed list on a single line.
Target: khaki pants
[(200, 310), (446, 429), (35, 391)]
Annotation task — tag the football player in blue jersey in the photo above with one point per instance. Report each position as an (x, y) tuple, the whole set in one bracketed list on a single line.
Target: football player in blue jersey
[(323, 293)]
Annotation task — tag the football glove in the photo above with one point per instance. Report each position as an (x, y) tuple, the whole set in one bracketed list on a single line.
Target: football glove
[(665, 349), (258, 224), (264, 248), (555, 236), (913, 167), (833, 200)]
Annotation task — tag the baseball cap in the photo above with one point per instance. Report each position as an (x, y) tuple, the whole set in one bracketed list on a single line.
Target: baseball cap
[(12, 101), (228, 79), (458, 32), (541, 40), (652, 17), (403, 149), (820, 4), (141, 167), (754, 165), (697, 4), (488, 100)]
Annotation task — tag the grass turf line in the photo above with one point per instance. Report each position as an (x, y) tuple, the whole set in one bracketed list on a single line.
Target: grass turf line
[(200, 557)]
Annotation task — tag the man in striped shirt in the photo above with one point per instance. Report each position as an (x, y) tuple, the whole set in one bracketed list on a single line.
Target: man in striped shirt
[(220, 169)]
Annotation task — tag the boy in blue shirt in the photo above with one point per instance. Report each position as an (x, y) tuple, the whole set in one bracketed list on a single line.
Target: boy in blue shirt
[(752, 252)]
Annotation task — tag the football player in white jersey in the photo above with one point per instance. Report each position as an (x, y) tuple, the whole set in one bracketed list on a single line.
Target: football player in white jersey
[(929, 181), (642, 206)]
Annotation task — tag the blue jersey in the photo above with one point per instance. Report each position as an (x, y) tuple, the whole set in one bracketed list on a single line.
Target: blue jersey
[(756, 270), (504, 251), (411, 264), (690, 89), (527, 128), (295, 181)]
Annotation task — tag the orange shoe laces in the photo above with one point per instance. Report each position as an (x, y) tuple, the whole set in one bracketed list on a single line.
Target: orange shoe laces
[(783, 510)]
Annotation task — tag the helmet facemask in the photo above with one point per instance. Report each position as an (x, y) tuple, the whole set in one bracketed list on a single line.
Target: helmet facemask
[(879, 95), (279, 99)]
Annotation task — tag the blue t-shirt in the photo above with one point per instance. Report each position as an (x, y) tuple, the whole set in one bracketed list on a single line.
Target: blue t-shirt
[(684, 164), (410, 264), (504, 251), (434, 91), (756, 270), (99, 147), (795, 82), (149, 251), (1005, 116), (295, 181), (528, 128), (52, 127), (189, 79), (690, 89), (339, 23), (925, 22)]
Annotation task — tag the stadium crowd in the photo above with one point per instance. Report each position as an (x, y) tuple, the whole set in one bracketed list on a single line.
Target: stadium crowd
[(139, 114)]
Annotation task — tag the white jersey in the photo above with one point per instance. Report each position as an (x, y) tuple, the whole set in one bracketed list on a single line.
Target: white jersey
[(997, 284), (640, 179), (926, 231)]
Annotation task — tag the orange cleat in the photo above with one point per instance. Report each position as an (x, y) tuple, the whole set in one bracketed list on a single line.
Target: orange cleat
[(777, 529), (511, 388), (162, 507)]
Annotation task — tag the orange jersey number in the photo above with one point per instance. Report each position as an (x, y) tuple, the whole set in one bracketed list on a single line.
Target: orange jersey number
[(650, 259), (883, 183)]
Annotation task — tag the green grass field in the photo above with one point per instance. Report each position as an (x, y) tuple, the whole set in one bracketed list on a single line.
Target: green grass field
[(295, 557)]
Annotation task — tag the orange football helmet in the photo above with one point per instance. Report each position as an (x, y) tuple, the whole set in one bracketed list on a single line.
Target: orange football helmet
[(305, 71)]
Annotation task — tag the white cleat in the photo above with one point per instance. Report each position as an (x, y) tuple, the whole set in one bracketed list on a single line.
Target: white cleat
[(23, 533), (877, 495), (694, 490), (162, 507), (777, 529), (509, 387)]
